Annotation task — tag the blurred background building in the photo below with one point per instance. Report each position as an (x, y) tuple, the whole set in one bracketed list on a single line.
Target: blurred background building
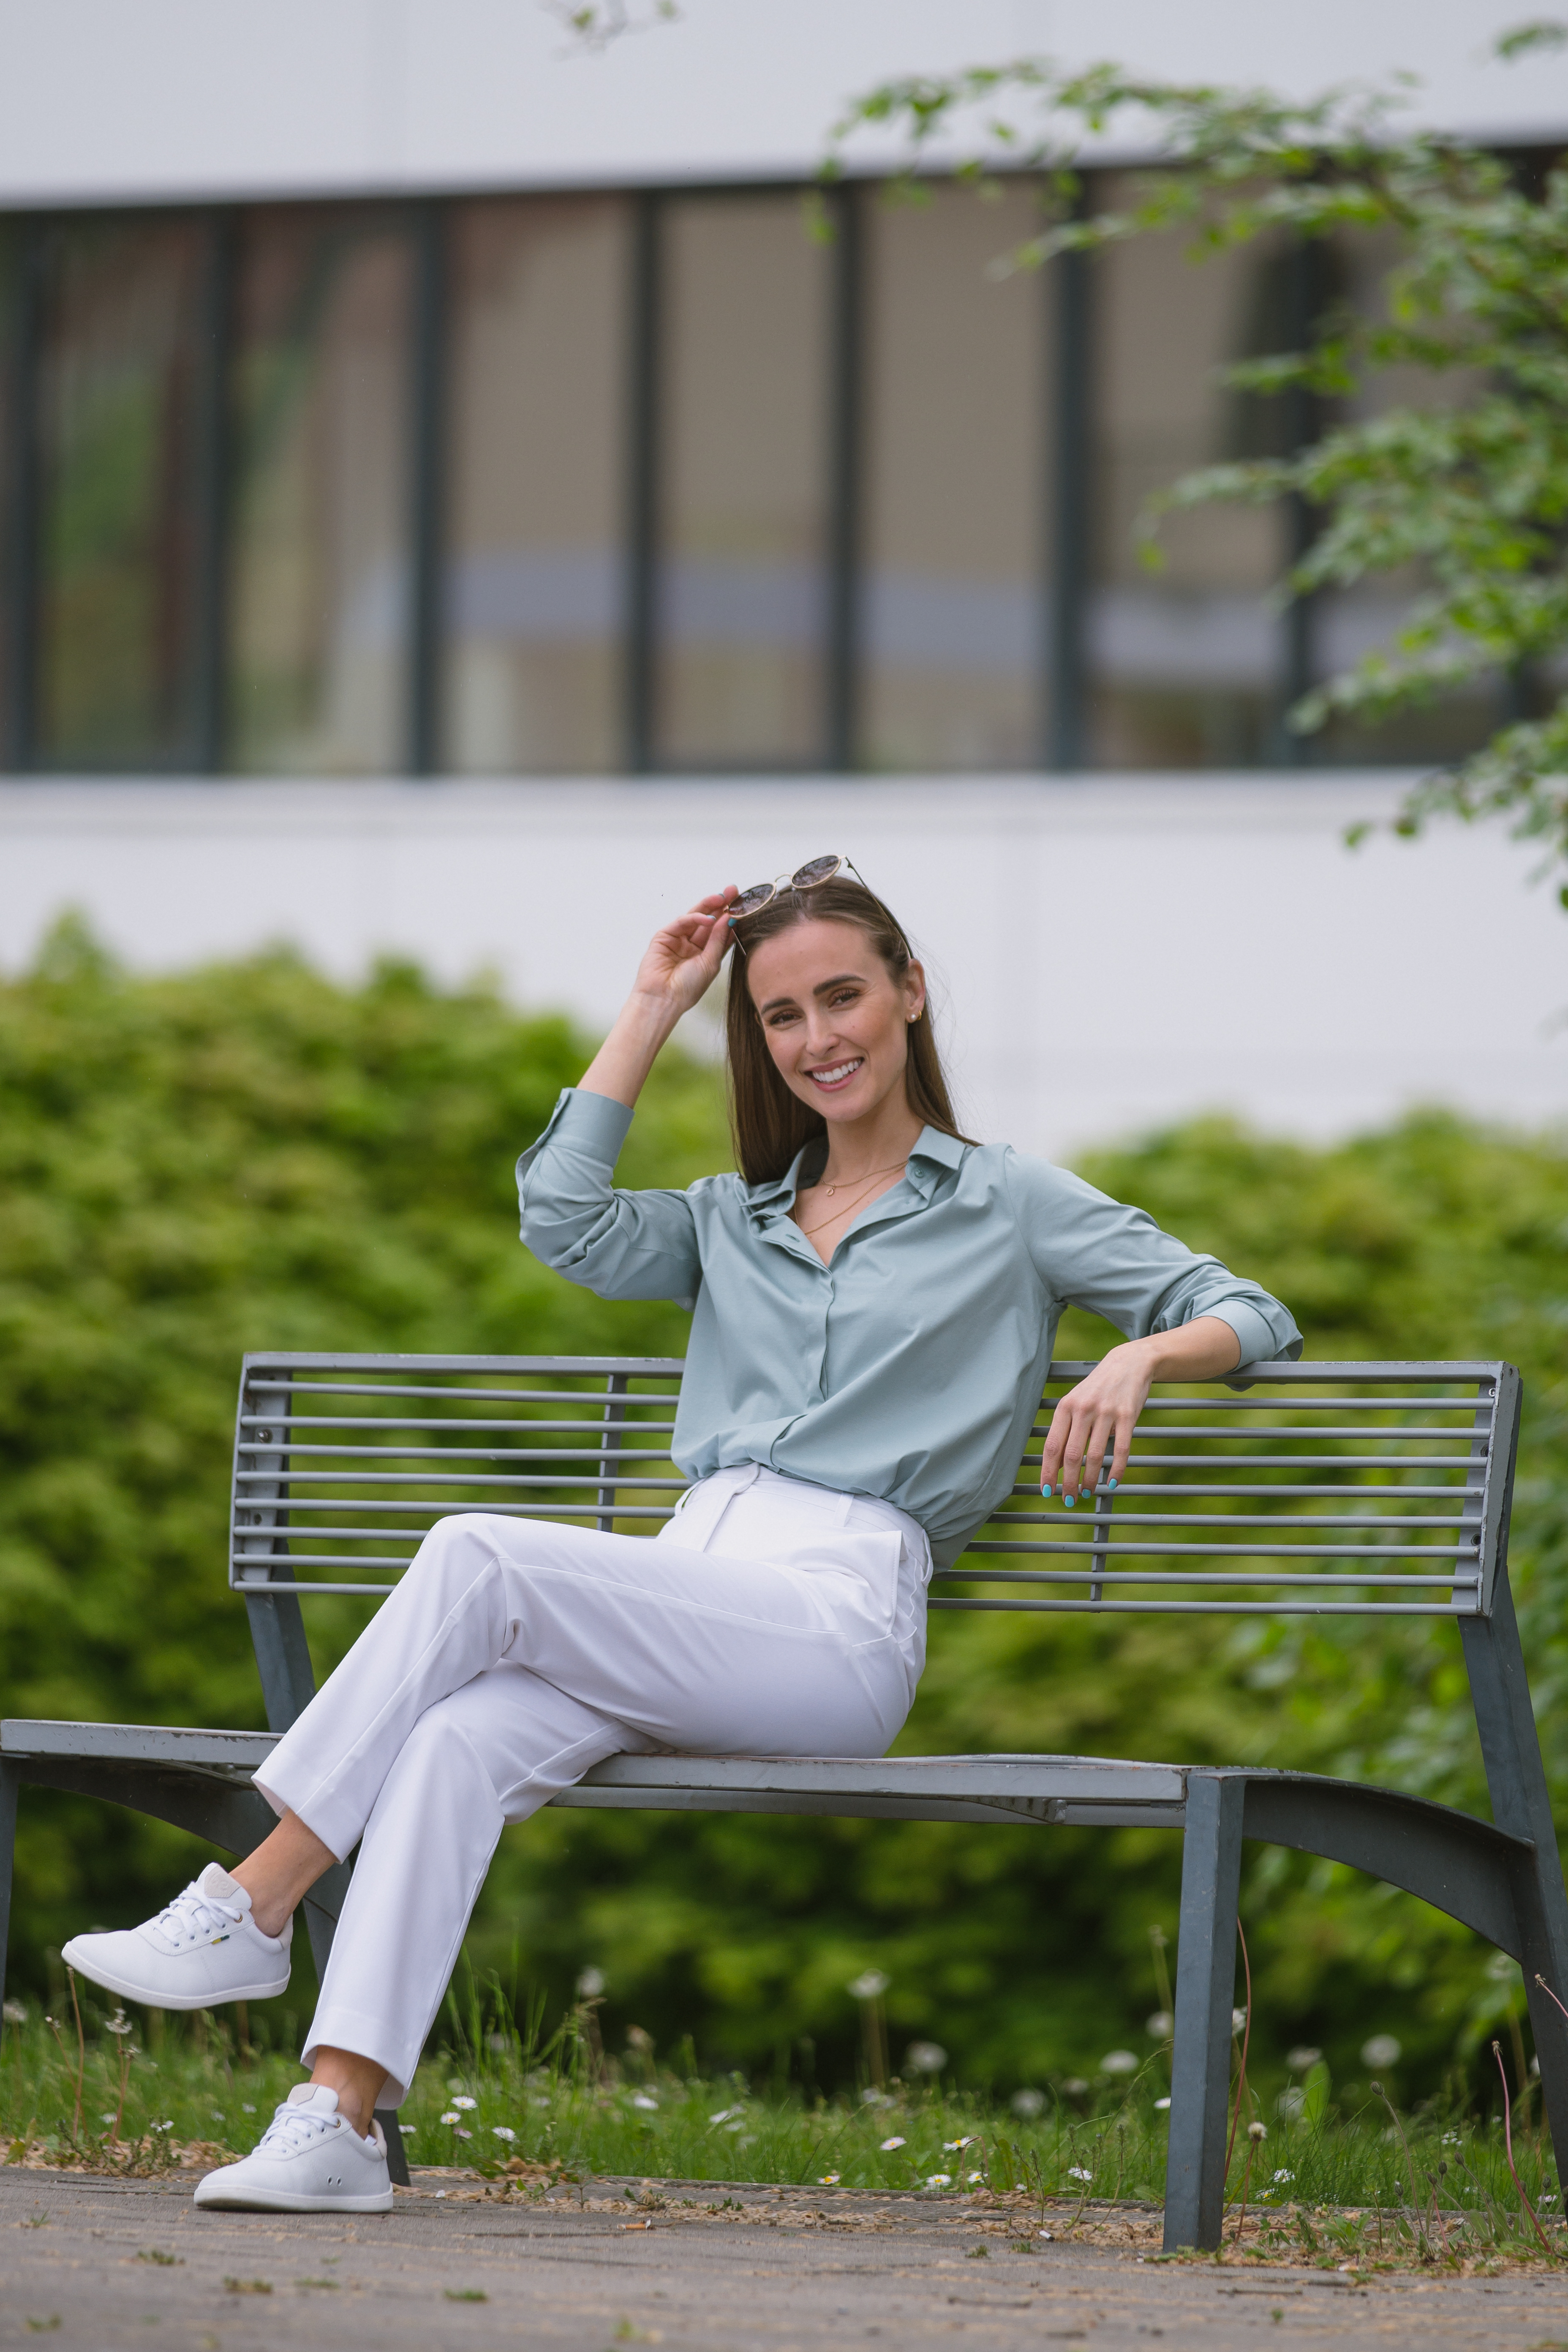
[(450, 505)]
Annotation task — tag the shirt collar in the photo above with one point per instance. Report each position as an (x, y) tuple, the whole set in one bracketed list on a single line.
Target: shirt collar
[(932, 1150)]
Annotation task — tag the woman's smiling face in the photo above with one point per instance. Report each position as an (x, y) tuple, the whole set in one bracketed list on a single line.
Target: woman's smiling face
[(834, 1018)]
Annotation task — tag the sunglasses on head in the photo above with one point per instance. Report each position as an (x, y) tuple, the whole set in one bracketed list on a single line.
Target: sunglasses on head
[(809, 876)]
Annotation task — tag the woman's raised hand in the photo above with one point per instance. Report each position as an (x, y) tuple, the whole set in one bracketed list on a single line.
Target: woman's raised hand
[(683, 958), (681, 964)]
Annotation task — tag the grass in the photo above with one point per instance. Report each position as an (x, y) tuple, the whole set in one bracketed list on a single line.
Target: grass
[(1355, 2186)]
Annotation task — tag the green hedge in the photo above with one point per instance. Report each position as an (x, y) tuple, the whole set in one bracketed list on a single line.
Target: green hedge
[(250, 1156)]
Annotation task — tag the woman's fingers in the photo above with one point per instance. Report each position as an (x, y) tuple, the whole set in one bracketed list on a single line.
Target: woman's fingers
[(1062, 1460), (1090, 1435), (1055, 1445), (1088, 1441), (1126, 1421)]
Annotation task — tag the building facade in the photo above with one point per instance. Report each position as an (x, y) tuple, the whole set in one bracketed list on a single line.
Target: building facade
[(589, 461)]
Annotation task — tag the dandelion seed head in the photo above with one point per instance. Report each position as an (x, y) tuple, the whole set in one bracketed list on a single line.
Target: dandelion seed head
[(1160, 2025), (15, 2012), (1382, 2050), (1075, 2087), (1301, 2060), (869, 1985), (641, 2099), (1119, 2062), (1028, 2103), (1257, 2131), (591, 1984), (118, 2023), (925, 2058), (1238, 2020)]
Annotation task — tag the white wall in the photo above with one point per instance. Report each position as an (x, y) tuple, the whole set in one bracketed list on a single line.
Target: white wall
[(1113, 953), (111, 100)]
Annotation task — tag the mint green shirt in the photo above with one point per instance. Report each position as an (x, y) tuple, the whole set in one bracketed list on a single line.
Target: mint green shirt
[(910, 1367)]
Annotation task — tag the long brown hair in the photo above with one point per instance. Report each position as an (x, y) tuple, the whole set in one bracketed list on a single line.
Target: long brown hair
[(769, 1123)]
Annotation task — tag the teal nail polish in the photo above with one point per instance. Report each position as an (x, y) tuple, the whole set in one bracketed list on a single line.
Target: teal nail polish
[(1069, 1501), (1084, 1491), (1047, 1492), (1113, 1481)]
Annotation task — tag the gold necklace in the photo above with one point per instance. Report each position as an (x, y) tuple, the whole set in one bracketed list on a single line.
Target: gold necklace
[(864, 1186)]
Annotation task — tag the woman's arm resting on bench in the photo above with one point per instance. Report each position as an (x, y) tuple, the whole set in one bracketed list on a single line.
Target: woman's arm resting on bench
[(1102, 1410)]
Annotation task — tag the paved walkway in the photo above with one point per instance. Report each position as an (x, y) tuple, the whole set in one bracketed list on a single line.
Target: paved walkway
[(113, 2265)]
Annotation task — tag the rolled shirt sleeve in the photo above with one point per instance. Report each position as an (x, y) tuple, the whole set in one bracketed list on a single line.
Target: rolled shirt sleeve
[(618, 1244), (1091, 1251)]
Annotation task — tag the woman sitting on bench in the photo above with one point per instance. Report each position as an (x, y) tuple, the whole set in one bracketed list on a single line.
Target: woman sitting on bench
[(874, 1301)]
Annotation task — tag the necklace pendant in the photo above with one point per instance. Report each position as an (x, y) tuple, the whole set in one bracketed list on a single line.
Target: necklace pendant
[(831, 1190)]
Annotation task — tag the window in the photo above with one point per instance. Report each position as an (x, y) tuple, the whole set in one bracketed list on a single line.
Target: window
[(1348, 623), (118, 444), (323, 497), (955, 438), (14, 455), (1185, 664), (742, 408), (583, 483), (533, 597)]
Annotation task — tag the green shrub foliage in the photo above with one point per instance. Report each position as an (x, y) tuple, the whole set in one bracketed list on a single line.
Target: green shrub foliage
[(250, 1156)]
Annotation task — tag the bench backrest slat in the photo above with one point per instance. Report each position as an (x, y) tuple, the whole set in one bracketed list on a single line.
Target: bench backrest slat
[(1347, 1489)]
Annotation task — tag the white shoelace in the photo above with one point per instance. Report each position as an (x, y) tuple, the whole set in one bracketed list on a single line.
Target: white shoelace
[(194, 1917), (292, 2128)]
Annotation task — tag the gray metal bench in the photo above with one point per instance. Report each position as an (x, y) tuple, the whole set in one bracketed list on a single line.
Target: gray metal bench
[(1341, 1489)]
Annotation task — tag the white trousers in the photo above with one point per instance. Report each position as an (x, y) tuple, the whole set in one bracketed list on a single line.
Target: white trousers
[(769, 1617)]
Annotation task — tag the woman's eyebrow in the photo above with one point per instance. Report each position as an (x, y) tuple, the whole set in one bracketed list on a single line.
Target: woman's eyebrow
[(820, 990)]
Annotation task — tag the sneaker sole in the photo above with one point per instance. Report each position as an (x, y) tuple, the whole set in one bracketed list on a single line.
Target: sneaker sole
[(97, 1974), (279, 2200)]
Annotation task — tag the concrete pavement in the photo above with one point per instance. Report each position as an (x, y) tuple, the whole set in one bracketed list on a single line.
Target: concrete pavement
[(112, 2265)]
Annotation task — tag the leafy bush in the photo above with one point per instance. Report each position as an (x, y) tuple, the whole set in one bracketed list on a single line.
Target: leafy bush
[(249, 1156)]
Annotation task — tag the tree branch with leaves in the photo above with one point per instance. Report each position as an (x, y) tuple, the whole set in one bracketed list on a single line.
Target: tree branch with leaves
[(1468, 490)]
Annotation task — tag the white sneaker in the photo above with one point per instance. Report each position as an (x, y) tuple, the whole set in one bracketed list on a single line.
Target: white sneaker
[(310, 2159), (203, 1948)]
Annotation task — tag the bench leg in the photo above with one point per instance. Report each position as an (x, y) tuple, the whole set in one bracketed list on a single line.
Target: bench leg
[(1206, 1991), (1516, 1779), (10, 1782)]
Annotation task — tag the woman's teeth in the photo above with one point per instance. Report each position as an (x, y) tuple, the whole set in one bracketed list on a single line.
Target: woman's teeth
[(836, 1077)]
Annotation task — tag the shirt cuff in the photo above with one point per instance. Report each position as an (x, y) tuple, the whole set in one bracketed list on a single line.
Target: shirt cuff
[(1257, 1341), (592, 1124)]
